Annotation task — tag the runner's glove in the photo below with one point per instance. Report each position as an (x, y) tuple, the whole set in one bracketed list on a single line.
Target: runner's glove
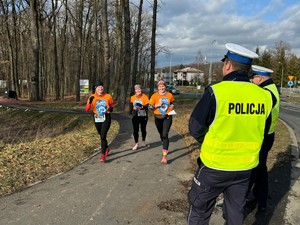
[(139, 105)]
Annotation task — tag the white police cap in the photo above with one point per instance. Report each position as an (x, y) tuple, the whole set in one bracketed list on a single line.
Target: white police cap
[(262, 71), (239, 54)]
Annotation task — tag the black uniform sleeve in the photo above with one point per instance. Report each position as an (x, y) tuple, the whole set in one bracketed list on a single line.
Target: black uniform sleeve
[(202, 115)]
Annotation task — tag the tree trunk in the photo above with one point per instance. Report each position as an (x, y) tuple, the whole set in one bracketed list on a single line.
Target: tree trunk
[(127, 56), (62, 51), (136, 45), (106, 45), (79, 45), (152, 69), (34, 95), (119, 60), (55, 52)]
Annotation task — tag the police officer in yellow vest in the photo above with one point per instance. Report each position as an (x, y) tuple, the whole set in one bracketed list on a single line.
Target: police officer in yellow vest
[(229, 121), (259, 179)]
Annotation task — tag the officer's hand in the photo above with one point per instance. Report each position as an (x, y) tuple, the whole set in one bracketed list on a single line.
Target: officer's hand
[(91, 99)]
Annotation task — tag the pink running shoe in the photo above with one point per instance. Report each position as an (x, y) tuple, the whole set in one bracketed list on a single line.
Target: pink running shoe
[(164, 159), (107, 152), (102, 158)]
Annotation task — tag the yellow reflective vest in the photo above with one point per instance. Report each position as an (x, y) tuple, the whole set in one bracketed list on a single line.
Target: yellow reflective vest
[(234, 138), (275, 110)]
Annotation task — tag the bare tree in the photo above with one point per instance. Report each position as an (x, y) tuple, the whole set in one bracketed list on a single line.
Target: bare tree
[(127, 56), (136, 45), (12, 40), (79, 38), (63, 43), (55, 51), (58, 43), (106, 44), (153, 51), (35, 38)]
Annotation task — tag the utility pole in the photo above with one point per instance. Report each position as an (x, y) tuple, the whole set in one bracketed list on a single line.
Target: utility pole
[(281, 81), (210, 64)]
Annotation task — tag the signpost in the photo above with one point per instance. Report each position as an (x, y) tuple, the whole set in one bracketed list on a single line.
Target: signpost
[(84, 86), (290, 83)]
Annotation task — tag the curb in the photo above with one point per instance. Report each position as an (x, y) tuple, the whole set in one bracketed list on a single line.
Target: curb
[(291, 214)]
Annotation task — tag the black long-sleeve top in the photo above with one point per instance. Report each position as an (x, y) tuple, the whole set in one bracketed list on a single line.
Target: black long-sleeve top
[(205, 110)]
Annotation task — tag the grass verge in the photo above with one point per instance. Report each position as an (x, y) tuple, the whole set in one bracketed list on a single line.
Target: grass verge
[(37, 145)]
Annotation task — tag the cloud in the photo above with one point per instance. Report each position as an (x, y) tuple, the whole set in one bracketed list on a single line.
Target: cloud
[(186, 27)]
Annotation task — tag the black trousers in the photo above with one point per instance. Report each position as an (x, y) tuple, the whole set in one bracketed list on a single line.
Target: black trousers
[(259, 177), (163, 126), (208, 184), (137, 122), (102, 129)]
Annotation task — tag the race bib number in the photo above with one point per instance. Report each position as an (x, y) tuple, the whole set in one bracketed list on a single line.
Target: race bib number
[(141, 113), (99, 118)]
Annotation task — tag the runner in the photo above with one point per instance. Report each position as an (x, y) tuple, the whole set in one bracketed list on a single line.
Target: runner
[(161, 103), (139, 109), (102, 105)]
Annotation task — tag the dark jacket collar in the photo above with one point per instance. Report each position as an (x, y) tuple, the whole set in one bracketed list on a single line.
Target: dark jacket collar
[(239, 75), (266, 82)]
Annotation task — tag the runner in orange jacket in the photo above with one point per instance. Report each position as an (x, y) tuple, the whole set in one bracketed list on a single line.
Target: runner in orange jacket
[(102, 105), (161, 103)]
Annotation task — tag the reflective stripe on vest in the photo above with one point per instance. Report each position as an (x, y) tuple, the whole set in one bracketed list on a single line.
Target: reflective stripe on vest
[(235, 136), (275, 110)]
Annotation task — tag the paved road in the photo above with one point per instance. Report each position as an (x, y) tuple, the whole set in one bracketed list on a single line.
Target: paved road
[(290, 113), (125, 190)]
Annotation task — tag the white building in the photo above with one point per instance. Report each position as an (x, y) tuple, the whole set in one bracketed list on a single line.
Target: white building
[(192, 75)]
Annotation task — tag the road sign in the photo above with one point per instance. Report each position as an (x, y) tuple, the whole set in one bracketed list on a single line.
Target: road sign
[(291, 77), (290, 83)]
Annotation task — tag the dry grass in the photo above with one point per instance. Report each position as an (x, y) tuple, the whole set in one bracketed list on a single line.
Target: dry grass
[(35, 146)]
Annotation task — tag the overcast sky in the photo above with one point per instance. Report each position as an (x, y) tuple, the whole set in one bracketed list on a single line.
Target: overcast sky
[(189, 26)]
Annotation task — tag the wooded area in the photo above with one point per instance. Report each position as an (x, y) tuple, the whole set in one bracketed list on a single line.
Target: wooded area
[(47, 46)]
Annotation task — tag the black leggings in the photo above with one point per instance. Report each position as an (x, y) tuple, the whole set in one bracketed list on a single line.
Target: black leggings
[(136, 121), (102, 129), (163, 126)]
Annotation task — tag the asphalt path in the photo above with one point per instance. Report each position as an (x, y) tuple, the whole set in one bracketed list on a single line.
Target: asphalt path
[(127, 189)]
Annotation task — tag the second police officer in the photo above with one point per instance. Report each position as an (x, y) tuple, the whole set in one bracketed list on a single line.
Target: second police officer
[(259, 178)]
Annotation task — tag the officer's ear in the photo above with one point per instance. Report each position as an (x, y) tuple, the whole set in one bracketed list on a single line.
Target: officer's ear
[(228, 66)]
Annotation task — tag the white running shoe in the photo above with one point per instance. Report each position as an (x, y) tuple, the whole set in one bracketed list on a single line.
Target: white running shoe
[(136, 146)]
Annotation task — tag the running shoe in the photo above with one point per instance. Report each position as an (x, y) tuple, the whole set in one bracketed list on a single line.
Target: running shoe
[(143, 144), (106, 152), (164, 159), (102, 158), (136, 146)]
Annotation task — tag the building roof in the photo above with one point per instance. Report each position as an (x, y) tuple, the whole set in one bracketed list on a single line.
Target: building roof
[(188, 70)]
